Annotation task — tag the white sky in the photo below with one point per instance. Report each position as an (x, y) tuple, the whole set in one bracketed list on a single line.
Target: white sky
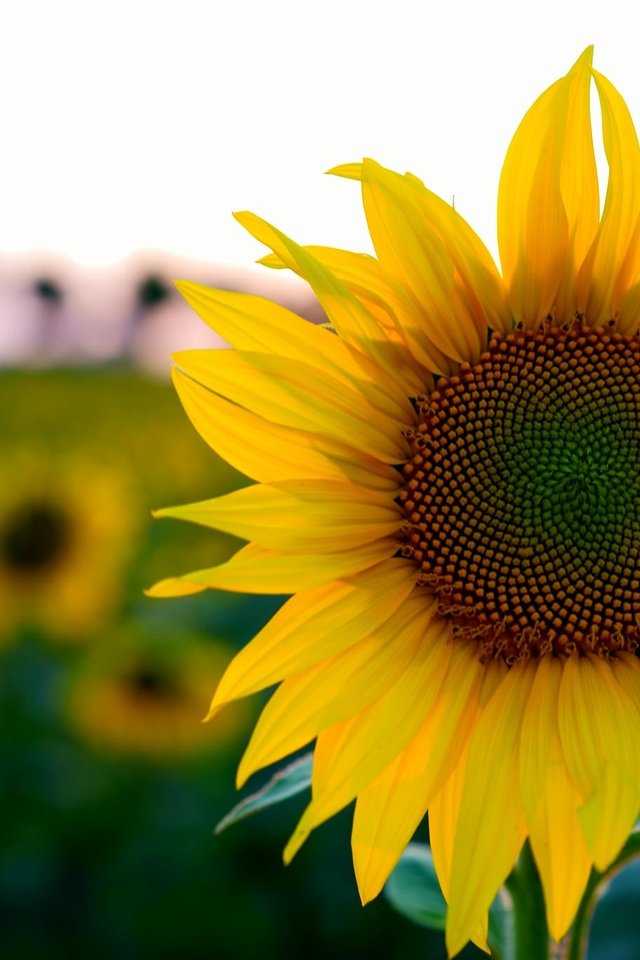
[(144, 124)]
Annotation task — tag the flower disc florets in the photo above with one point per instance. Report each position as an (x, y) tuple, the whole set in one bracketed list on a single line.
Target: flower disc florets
[(522, 494)]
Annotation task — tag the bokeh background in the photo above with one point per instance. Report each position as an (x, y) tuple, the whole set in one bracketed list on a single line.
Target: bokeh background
[(131, 130), (110, 785)]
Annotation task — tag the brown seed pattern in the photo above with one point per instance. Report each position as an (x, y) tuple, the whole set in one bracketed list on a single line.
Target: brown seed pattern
[(522, 495)]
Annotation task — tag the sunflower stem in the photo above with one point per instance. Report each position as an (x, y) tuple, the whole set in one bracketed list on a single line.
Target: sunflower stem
[(531, 935)]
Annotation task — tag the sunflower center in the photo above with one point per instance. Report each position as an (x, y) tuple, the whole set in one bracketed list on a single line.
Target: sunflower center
[(150, 683), (522, 496), (35, 536)]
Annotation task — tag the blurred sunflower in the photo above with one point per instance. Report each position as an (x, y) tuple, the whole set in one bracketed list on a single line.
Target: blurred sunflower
[(66, 526), (447, 479), (145, 696)]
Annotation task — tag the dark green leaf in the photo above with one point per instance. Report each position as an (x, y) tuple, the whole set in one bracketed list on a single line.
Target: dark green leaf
[(413, 888), (287, 782)]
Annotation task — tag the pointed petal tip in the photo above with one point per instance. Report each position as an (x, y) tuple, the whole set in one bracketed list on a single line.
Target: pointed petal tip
[(349, 171), (174, 587), (290, 850), (296, 840), (454, 943), (368, 888), (212, 712), (242, 215), (586, 56), (242, 775)]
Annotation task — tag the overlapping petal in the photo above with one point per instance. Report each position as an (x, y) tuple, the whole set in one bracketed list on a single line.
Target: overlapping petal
[(316, 624), (598, 727), (299, 515), (548, 200), (551, 801), (612, 264)]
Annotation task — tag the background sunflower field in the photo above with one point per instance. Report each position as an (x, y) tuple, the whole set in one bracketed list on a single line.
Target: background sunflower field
[(110, 785)]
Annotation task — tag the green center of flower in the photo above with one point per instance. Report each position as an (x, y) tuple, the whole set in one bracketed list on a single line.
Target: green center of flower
[(522, 497), (34, 538)]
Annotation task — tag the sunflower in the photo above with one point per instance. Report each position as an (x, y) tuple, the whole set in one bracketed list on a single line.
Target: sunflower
[(142, 696), (447, 481), (66, 524)]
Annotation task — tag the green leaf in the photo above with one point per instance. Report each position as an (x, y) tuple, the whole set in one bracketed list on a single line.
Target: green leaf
[(413, 888), (287, 782)]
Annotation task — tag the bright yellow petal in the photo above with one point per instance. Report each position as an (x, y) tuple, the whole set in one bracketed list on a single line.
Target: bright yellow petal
[(253, 323), (445, 806), (316, 624), (613, 262), (334, 689), (275, 452), (548, 199), (600, 733), (411, 249), (389, 810), (298, 515), (362, 276), (551, 801), (490, 830), (350, 755), (473, 263), (255, 569), (174, 587), (350, 319), (296, 395), (443, 818)]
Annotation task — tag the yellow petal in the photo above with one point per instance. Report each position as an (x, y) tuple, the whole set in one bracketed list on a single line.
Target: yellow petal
[(599, 728), (334, 689), (626, 669), (490, 830), (275, 452), (298, 515), (174, 587), (349, 756), (443, 818), (316, 624), (389, 810), (257, 570), (551, 801), (629, 311), (411, 249), (548, 198), (474, 266), (613, 262), (253, 323), (297, 395), (353, 323), (445, 806), (351, 753), (363, 276)]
